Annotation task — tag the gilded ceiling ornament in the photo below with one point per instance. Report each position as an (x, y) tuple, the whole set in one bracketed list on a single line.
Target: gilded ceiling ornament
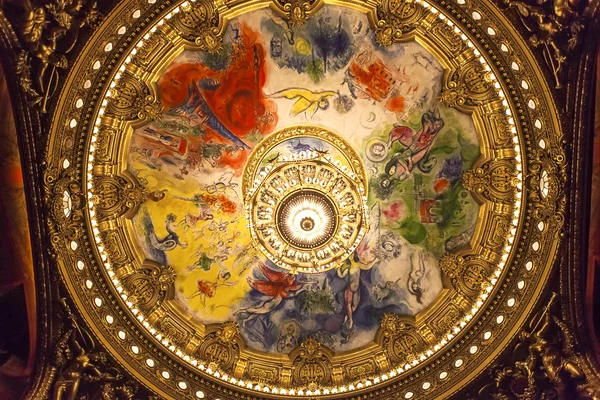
[(150, 285), (312, 365), (224, 359), (306, 212), (401, 340), (48, 31), (122, 195), (132, 99), (296, 12), (545, 182), (79, 365), (66, 201), (556, 26), (468, 87), (494, 180), (200, 24), (396, 18), (552, 367), (221, 349)]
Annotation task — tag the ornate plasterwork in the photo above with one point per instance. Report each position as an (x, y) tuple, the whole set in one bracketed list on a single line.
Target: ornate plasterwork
[(349, 374)]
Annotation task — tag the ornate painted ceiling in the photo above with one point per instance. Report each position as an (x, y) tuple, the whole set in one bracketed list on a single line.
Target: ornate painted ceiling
[(320, 199)]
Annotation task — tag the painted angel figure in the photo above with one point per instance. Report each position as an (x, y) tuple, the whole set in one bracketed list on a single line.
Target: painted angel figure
[(277, 286), (306, 101)]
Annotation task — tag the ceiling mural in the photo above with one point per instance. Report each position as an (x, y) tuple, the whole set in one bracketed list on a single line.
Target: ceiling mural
[(329, 73), (305, 199)]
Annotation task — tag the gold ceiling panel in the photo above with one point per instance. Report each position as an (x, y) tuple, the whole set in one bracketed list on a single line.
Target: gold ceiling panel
[(132, 302)]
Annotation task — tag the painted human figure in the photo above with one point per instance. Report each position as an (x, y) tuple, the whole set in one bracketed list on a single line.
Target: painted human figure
[(418, 146), (417, 273), (359, 262), (277, 286), (208, 289)]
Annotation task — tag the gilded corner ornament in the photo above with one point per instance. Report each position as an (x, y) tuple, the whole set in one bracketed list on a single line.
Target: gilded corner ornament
[(80, 369), (48, 32), (556, 26), (550, 368)]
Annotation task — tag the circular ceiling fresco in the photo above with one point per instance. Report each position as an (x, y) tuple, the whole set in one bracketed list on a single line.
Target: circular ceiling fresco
[(304, 200), (383, 103)]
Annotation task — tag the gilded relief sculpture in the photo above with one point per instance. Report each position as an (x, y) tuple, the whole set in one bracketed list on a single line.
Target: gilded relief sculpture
[(555, 27), (552, 367), (48, 31), (78, 362)]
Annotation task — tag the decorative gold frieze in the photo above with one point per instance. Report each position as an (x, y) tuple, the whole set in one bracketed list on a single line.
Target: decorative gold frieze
[(173, 331)]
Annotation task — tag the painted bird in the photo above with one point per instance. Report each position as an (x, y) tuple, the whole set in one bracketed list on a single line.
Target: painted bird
[(196, 104)]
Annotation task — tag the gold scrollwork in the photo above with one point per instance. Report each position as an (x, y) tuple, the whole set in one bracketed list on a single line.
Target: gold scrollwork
[(150, 285), (172, 331), (467, 88), (401, 340), (396, 20), (131, 99), (199, 23), (221, 348), (312, 365), (66, 202), (467, 274), (296, 12), (546, 185), (494, 180), (122, 195)]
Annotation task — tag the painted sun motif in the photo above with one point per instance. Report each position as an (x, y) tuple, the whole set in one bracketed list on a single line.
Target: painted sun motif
[(329, 73)]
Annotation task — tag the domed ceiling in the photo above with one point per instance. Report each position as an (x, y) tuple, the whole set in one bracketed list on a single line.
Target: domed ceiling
[(219, 110), (306, 200)]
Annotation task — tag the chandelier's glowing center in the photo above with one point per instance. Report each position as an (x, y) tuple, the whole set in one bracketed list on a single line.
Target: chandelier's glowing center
[(306, 219), (306, 210)]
